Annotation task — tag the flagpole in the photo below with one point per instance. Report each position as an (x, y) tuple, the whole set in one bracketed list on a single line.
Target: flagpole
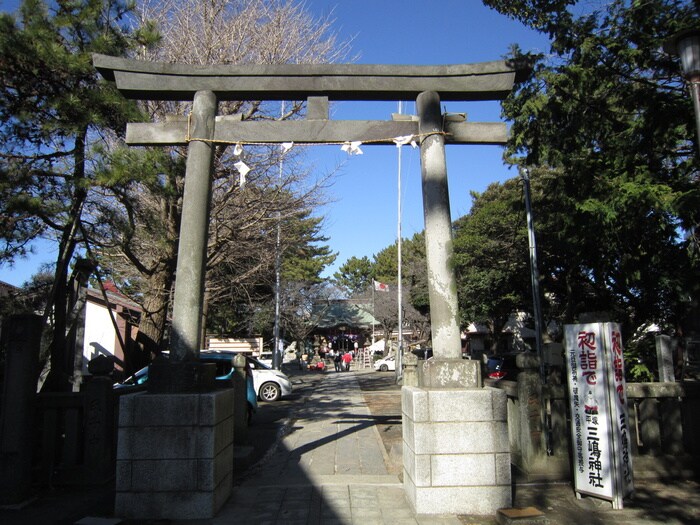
[(373, 318), (399, 357)]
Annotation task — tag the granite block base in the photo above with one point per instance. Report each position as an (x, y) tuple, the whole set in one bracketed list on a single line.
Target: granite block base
[(174, 455), (456, 453)]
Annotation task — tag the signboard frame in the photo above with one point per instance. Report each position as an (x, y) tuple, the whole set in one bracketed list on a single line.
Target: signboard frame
[(602, 456)]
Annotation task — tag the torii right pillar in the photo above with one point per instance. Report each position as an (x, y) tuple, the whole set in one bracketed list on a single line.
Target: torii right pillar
[(456, 453)]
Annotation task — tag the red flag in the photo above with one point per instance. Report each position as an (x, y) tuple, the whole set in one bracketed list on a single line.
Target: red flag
[(380, 287)]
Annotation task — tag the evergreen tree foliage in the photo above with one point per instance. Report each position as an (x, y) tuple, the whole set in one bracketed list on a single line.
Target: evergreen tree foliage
[(490, 255), (606, 124), (355, 275), (305, 255)]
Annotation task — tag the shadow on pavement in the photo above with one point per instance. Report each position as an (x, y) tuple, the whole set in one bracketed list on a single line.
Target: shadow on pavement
[(292, 474)]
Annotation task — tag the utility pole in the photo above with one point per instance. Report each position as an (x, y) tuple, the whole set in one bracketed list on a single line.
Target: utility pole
[(534, 271), (276, 353), (535, 278)]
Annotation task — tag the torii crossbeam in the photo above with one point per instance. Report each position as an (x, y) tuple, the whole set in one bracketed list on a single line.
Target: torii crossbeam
[(138, 79), (317, 84)]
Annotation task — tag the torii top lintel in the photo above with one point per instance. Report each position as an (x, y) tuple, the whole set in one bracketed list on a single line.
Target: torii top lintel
[(145, 80)]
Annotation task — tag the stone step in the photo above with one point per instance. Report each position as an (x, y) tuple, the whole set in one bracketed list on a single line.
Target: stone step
[(521, 516)]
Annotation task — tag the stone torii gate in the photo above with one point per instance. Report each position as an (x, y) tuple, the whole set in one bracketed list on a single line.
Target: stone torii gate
[(319, 84)]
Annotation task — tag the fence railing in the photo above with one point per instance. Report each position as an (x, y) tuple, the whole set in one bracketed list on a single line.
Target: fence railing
[(75, 438), (664, 425)]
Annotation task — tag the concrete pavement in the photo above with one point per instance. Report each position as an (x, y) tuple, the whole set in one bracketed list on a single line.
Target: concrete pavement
[(328, 467)]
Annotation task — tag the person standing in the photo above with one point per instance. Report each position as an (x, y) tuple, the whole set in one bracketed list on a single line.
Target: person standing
[(347, 359), (337, 361)]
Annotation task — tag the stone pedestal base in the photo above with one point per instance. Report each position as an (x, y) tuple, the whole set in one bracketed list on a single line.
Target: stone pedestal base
[(456, 454), (174, 455)]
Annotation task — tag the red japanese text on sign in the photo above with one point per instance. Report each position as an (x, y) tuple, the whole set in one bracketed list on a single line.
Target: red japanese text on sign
[(588, 359)]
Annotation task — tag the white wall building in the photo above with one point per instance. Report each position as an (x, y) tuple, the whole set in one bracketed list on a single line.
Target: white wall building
[(109, 334)]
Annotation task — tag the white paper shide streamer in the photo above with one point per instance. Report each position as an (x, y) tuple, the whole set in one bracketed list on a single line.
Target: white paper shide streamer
[(243, 170), (352, 148), (405, 139)]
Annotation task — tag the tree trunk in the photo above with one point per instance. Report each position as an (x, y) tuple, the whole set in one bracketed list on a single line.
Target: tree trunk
[(61, 356), (149, 340)]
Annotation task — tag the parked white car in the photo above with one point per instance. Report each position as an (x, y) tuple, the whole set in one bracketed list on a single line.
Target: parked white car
[(386, 364), (270, 384)]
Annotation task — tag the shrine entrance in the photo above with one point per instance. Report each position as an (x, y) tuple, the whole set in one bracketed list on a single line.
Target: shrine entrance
[(317, 84), (444, 377)]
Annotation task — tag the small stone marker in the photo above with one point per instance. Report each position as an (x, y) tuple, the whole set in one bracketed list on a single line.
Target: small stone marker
[(521, 516)]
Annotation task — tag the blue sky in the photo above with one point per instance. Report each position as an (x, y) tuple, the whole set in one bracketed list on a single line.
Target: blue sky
[(361, 218)]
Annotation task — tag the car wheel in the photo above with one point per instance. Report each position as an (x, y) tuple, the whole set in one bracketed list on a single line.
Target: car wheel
[(270, 392), (384, 368)]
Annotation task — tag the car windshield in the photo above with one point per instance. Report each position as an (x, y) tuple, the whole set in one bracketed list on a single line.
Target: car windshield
[(494, 363), (254, 363), (138, 378)]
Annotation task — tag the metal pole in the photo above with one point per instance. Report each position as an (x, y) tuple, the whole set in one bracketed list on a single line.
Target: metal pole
[(442, 282), (276, 357), (535, 278), (373, 318), (399, 293), (694, 86), (276, 354), (192, 248)]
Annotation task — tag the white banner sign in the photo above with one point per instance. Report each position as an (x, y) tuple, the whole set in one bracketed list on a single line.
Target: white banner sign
[(599, 423)]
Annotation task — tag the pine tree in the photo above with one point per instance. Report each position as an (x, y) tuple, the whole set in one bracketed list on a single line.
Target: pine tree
[(52, 107)]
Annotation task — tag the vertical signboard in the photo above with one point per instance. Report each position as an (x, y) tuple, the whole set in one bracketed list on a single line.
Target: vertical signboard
[(617, 389), (602, 459)]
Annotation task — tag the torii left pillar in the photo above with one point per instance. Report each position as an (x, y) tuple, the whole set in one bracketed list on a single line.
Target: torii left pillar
[(175, 446), (182, 372), (192, 247)]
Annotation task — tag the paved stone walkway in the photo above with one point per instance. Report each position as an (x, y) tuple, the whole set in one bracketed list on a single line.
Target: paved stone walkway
[(329, 468)]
